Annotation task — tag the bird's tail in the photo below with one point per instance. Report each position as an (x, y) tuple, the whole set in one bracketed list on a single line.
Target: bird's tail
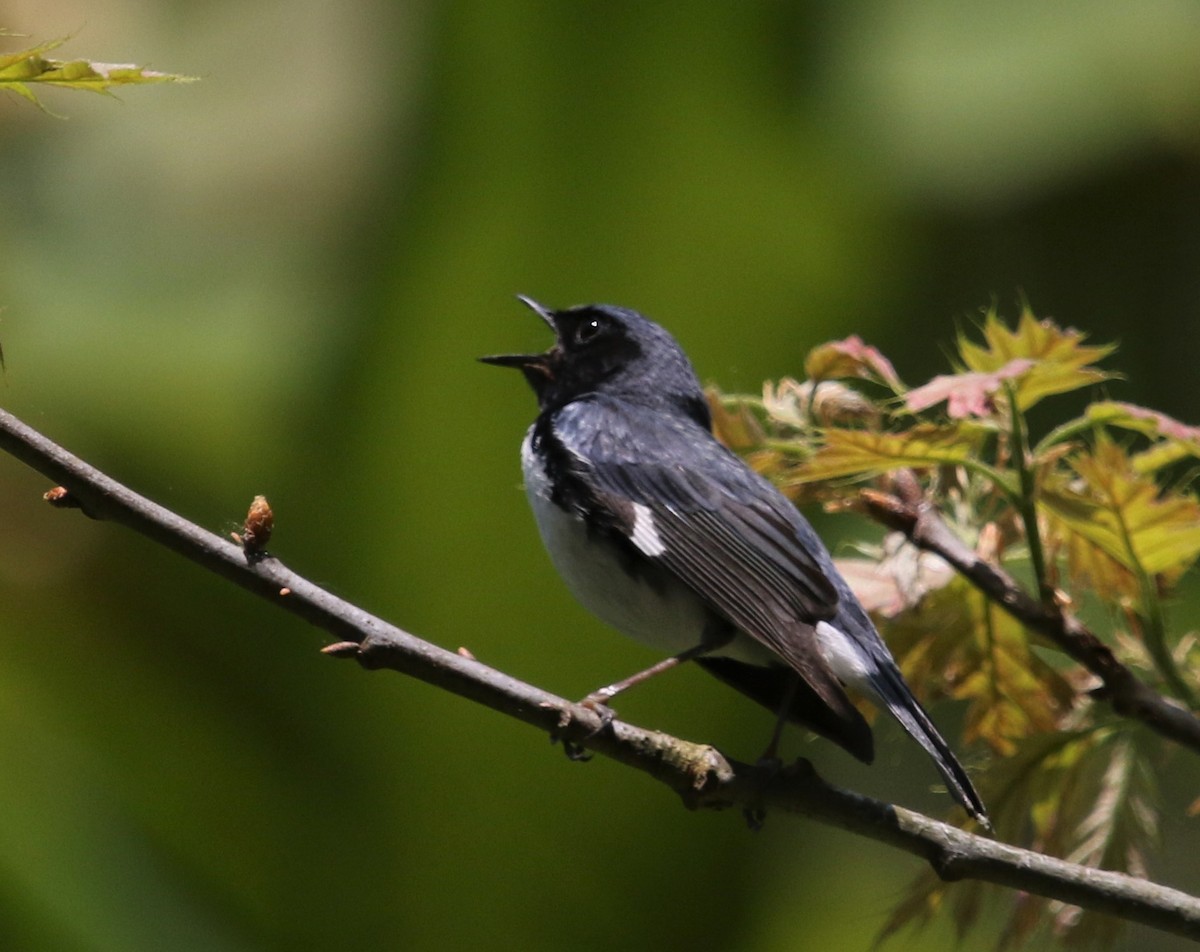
[(895, 694)]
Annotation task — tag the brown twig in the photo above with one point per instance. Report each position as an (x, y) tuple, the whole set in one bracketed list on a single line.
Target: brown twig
[(906, 510), (700, 774)]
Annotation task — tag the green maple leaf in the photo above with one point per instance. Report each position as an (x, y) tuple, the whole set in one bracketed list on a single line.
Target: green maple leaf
[(1125, 514), (849, 452), (1061, 361)]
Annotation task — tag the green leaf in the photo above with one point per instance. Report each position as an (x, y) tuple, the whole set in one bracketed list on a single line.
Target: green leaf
[(1070, 532), (1174, 440), (958, 642), (1087, 795), (1125, 514), (1122, 818), (1010, 789), (18, 70), (1061, 361), (1144, 420), (847, 452)]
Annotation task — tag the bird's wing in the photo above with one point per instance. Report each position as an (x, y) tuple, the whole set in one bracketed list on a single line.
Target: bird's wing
[(689, 505)]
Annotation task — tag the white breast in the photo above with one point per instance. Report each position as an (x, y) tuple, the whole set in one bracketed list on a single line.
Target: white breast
[(668, 617), (671, 620)]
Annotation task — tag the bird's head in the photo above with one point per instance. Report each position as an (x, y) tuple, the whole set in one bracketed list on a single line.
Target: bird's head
[(608, 350)]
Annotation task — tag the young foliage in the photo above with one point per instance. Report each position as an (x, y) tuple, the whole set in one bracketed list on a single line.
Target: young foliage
[(1058, 361), (1144, 528), (20, 69), (1093, 513), (1086, 794)]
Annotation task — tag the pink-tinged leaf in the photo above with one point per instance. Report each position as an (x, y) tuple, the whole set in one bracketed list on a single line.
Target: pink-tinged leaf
[(1061, 360), (966, 394), (851, 358), (1143, 419)]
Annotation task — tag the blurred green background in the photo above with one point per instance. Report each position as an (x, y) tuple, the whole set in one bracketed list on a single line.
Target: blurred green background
[(277, 280)]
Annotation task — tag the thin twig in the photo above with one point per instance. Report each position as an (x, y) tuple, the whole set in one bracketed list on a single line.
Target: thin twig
[(906, 510), (700, 774)]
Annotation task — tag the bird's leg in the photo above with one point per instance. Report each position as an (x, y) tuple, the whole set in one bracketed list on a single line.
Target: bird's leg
[(771, 754), (769, 764), (598, 700)]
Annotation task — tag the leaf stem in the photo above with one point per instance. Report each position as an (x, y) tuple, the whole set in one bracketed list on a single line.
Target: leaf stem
[(1026, 500), (1064, 432), (1155, 633)]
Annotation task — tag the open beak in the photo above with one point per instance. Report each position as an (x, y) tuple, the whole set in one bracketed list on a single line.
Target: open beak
[(520, 361), (538, 363), (540, 310)]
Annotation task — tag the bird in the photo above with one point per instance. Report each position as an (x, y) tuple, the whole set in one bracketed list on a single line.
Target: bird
[(671, 538)]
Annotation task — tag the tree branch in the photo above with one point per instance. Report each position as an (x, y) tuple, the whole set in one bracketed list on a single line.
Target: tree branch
[(700, 774), (906, 510)]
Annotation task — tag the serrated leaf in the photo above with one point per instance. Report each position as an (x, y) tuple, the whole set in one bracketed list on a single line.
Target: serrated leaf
[(851, 358), (1088, 796), (1122, 821), (1089, 566), (1144, 420), (964, 647), (1175, 440), (1061, 360), (966, 394), (847, 452), (1162, 454), (1113, 827), (1028, 794), (1013, 788), (1125, 514)]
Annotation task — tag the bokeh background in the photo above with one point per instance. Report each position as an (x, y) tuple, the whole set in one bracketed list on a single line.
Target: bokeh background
[(276, 280)]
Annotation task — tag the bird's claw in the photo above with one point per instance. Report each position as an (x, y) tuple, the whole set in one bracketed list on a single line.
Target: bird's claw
[(766, 769), (597, 703), (769, 765), (576, 753)]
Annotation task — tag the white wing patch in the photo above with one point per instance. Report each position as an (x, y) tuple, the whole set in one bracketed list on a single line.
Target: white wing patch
[(644, 535), (844, 658)]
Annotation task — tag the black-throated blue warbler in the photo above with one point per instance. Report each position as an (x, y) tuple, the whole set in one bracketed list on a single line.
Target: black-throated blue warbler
[(668, 536)]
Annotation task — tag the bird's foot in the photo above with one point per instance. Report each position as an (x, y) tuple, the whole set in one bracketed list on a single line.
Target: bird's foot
[(769, 766), (755, 817), (766, 769), (597, 703)]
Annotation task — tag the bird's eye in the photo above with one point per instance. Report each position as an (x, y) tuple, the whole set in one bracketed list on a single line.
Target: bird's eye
[(588, 330)]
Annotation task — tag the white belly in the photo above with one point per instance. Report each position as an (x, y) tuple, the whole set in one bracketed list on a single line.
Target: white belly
[(667, 616)]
